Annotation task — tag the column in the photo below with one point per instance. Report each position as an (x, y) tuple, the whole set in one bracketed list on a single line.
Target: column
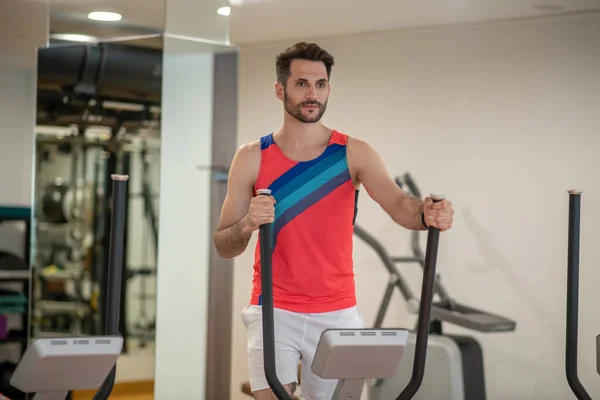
[(199, 98)]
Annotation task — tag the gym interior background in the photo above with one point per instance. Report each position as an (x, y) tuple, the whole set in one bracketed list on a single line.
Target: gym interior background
[(494, 104)]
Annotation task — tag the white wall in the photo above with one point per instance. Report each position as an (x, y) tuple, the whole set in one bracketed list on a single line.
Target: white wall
[(504, 119), (16, 134), (17, 94), (17, 83)]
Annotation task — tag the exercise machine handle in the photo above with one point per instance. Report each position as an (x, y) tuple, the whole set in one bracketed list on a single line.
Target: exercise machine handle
[(114, 272), (573, 296), (424, 310), (268, 325)]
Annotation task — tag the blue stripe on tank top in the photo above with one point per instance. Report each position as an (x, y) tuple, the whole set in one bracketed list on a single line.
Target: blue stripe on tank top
[(266, 141), (301, 167), (308, 199), (309, 174), (308, 187)]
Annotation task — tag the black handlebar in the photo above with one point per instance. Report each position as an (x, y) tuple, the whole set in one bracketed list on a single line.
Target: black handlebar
[(268, 326), (573, 296), (427, 290), (114, 272)]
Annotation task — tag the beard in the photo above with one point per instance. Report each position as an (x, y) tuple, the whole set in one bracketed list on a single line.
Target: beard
[(295, 110)]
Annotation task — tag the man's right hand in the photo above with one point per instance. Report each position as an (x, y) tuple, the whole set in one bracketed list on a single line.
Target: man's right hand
[(261, 211)]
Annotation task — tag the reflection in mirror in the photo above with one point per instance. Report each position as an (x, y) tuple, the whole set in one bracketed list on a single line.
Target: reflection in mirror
[(72, 20), (23, 28), (98, 113)]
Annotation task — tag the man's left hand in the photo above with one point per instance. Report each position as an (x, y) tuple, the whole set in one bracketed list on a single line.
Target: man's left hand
[(438, 214)]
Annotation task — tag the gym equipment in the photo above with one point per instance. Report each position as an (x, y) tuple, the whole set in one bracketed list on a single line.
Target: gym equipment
[(455, 369), (53, 202), (573, 297), (352, 355), (54, 366)]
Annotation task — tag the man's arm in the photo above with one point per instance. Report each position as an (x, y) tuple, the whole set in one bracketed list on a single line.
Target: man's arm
[(234, 231), (404, 209)]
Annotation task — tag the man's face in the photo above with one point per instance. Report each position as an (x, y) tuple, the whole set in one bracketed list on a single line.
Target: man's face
[(306, 92)]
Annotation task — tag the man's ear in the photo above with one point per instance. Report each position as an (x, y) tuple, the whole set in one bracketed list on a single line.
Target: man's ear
[(279, 91)]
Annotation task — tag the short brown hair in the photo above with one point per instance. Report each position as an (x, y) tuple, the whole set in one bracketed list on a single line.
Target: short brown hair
[(301, 51)]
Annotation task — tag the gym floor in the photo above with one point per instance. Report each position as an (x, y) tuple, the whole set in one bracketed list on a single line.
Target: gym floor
[(132, 396), (126, 391)]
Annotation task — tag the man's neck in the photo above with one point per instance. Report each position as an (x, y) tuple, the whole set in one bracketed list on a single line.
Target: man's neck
[(302, 135)]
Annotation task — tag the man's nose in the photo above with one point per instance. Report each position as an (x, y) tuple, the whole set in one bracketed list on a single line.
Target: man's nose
[(312, 93)]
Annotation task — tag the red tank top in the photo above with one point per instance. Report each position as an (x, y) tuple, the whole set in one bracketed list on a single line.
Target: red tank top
[(313, 228)]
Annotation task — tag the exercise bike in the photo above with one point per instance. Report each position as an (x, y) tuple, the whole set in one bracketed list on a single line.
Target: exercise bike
[(353, 356)]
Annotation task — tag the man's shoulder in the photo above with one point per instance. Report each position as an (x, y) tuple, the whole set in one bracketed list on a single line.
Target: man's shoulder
[(347, 139), (258, 144), (248, 154), (355, 144), (249, 149), (360, 153)]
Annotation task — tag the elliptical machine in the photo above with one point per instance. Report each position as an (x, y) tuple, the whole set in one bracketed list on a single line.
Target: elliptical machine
[(572, 320), (455, 362), (353, 355), (52, 367)]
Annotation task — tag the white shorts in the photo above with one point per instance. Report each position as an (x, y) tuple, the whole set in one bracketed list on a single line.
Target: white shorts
[(296, 336)]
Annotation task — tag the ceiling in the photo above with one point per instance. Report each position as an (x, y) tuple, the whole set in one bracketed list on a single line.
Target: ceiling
[(289, 19), (256, 21)]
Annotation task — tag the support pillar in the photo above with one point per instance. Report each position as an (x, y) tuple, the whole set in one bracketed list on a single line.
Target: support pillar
[(199, 135)]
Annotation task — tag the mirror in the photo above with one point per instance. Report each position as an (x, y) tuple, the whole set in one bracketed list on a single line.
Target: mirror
[(96, 108), (98, 113)]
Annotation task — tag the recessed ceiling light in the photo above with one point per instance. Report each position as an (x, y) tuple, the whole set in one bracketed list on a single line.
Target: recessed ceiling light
[(74, 37), (224, 11), (105, 16)]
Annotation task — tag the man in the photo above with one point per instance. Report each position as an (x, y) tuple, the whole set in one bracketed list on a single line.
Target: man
[(314, 174)]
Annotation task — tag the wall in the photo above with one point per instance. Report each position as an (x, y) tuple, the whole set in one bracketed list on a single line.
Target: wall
[(503, 118), (18, 89), (17, 81), (18, 84), (23, 27)]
